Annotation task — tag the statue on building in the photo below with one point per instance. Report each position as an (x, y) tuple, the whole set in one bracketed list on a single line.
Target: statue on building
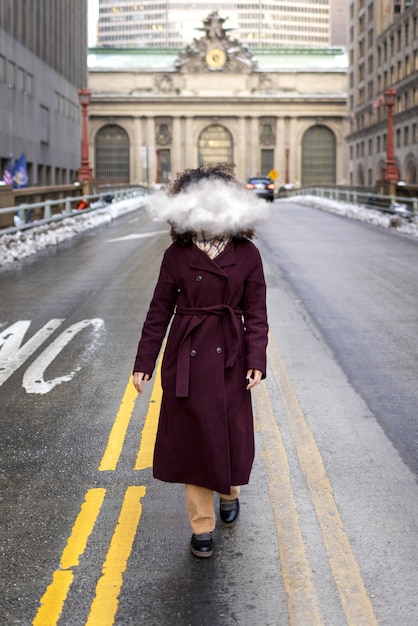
[(215, 51)]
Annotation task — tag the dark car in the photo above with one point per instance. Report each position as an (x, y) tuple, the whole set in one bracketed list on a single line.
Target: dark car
[(263, 186)]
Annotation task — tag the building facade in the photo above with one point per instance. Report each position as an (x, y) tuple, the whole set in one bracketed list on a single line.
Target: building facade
[(156, 112), (383, 54), (174, 23), (43, 52), (339, 22)]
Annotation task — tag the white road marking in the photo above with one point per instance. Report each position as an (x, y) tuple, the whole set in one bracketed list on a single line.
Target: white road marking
[(12, 353), (134, 236), (33, 379)]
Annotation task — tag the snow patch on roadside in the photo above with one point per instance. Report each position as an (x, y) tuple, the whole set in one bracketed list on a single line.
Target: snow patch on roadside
[(18, 245), (23, 243), (358, 212)]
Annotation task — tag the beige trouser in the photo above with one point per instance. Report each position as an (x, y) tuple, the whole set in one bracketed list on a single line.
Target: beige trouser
[(201, 507)]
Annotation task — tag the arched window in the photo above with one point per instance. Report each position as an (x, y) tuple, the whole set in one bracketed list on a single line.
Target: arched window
[(318, 156), (215, 145), (112, 155), (380, 171), (411, 172)]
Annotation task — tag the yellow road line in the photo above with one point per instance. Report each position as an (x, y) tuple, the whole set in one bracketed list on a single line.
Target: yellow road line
[(52, 601), (149, 431), (303, 603), (356, 604), (105, 603), (82, 528), (118, 433)]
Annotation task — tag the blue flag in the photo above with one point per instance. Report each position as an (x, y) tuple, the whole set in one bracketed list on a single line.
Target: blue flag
[(20, 173), (8, 172)]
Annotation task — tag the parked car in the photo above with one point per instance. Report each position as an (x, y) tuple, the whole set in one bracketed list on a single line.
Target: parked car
[(263, 186)]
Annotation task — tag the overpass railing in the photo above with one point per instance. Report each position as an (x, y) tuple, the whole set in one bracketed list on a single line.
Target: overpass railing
[(397, 205), (26, 216)]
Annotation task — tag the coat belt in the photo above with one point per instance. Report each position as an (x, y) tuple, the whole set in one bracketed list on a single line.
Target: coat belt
[(198, 315)]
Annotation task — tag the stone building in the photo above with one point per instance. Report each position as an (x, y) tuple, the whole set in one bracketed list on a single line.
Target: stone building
[(155, 112), (383, 54)]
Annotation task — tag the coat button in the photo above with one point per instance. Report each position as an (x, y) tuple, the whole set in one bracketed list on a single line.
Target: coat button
[(192, 352), (198, 278), (219, 350)]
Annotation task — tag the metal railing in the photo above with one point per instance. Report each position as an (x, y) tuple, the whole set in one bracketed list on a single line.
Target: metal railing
[(39, 213), (397, 205)]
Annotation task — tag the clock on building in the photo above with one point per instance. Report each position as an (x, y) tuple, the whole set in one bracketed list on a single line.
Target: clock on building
[(216, 58)]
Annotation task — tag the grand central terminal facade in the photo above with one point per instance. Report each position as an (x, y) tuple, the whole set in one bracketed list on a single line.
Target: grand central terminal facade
[(155, 112)]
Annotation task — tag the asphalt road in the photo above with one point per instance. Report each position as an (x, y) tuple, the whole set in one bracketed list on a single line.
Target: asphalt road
[(328, 526)]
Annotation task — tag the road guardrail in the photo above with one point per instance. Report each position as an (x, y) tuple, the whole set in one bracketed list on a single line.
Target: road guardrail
[(397, 205), (28, 216)]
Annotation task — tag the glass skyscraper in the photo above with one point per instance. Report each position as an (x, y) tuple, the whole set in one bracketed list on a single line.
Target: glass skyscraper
[(174, 23)]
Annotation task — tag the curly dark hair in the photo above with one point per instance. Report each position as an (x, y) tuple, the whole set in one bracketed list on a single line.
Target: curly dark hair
[(223, 171)]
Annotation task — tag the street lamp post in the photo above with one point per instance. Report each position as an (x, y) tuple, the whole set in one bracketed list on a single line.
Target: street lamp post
[(391, 173), (85, 172)]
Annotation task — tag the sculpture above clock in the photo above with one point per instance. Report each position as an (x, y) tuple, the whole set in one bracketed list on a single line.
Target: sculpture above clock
[(215, 51)]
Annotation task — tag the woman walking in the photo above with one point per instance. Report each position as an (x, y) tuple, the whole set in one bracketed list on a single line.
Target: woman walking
[(211, 288)]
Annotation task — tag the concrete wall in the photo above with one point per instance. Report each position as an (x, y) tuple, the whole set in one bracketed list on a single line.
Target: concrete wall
[(39, 114)]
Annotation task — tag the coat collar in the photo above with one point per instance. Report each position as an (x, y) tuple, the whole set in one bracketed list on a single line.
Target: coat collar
[(200, 260)]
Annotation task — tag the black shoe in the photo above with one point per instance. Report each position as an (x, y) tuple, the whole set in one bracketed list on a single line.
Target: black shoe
[(229, 511), (202, 545)]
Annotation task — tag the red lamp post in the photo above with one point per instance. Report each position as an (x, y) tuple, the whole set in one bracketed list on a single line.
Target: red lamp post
[(85, 172), (391, 173)]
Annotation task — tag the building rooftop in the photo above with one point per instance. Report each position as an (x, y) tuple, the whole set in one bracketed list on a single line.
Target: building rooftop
[(268, 59)]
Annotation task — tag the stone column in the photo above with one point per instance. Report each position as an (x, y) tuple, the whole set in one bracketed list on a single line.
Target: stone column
[(147, 151), (190, 150), (281, 145), (177, 146), (152, 174), (136, 168), (254, 156), (295, 151), (240, 151)]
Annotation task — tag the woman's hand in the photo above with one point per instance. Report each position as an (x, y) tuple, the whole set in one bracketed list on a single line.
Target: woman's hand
[(253, 377), (139, 379)]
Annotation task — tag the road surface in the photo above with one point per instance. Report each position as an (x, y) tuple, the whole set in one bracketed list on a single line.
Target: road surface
[(328, 526)]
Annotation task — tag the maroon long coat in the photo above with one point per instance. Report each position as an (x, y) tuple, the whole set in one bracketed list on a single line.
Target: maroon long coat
[(219, 330)]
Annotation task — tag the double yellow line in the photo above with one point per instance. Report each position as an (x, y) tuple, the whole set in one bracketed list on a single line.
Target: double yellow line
[(105, 602), (303, 603)]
